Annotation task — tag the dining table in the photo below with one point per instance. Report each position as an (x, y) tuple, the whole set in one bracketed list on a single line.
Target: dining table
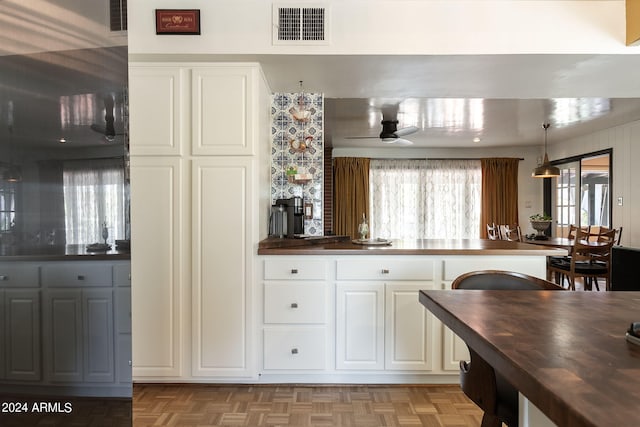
[(554, 242)]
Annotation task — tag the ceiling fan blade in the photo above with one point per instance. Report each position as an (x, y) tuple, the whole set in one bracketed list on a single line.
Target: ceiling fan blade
[(396, 141), (404, 142), (361, 137), (407, 130)]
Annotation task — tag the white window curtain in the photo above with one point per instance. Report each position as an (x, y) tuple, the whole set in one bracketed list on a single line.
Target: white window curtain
[(425, 199), (93, 196)]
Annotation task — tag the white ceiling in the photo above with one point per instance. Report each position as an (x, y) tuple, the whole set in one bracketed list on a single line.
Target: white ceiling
[(60, 94), (501, 99)]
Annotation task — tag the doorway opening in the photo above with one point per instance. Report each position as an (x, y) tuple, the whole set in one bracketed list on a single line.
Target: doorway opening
[(580, 196)]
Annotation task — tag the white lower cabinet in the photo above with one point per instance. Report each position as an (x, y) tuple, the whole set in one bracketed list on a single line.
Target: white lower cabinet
[(409, 338), (359, 326), (295, 348), (382, 326), (295, 332), (356, 319)]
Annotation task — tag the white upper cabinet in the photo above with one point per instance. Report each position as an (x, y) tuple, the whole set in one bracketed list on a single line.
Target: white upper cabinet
[(224, 110), (156, 109)]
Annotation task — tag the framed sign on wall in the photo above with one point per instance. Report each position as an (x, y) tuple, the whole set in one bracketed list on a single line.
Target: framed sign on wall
[(178, 21)]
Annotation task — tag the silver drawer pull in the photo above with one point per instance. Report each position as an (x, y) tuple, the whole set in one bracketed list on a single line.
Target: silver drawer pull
[(294, 351), (385, 271), (294, 271), (3, 277), (80, 277), (294, 305)]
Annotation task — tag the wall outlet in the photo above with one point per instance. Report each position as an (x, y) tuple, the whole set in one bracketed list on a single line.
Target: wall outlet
[(620, 201)]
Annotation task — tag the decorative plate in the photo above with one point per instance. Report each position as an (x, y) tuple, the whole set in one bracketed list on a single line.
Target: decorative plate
[(98, 247), (372, 242)]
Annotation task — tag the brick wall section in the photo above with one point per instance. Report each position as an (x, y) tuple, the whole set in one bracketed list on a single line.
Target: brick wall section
[(328, 191)]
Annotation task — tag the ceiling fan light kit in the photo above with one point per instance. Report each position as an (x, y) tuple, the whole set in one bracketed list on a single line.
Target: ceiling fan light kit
[(546, 169)]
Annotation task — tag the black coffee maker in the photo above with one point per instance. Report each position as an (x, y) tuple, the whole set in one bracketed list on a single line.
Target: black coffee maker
[(290, 224)]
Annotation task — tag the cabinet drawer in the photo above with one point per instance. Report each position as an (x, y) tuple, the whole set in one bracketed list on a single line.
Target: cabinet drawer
[(122, 274), (79, 273), (385, 269), (294, 269), (299, 348), (294, 302), (19, 275)]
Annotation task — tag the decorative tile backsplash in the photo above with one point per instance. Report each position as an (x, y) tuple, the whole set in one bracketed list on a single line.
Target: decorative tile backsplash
[(298, 118)]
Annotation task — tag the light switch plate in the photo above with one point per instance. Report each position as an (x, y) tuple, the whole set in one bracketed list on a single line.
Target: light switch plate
[(620, 201)]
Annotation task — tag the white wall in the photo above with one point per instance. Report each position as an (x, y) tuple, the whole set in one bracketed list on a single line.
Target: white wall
[(625, 141), (52, 25), (529, 189), (434, 27)]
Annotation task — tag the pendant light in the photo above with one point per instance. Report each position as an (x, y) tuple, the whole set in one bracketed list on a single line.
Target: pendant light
[(545, 170), (12, 174)]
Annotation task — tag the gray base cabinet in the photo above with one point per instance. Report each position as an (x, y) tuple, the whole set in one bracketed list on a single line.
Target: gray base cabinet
[(66, 330), (22, 334)]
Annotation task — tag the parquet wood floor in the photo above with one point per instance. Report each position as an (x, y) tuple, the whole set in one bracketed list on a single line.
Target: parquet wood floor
[(190, 405), (302, 406)]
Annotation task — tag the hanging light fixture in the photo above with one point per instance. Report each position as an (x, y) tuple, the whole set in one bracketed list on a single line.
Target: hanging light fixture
[(545, 170)]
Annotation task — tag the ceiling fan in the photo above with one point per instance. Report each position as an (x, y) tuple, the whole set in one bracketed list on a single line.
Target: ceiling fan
[(108, 129), (390, 133)]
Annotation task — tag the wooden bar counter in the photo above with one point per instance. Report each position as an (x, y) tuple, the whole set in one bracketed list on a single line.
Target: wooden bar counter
[(564, 351), (340, 245)]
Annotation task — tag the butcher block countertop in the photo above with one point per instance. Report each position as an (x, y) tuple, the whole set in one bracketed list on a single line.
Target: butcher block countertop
[(342, 245), (564, 351)]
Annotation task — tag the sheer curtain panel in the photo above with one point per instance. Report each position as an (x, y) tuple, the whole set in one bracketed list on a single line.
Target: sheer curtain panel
[(425, 199), (93, 196)]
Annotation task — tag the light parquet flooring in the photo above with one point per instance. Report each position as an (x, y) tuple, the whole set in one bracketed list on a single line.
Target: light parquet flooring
[(189, 405)]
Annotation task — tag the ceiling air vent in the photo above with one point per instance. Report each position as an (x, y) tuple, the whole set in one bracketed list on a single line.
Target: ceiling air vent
[(118, 15), (299, 25)]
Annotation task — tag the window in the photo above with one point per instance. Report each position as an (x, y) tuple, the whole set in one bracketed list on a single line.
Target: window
[(7, 206), (425, 199), (93, 196)]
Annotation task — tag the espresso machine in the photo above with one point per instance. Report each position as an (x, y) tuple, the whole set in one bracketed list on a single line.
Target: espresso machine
[(287, 218)]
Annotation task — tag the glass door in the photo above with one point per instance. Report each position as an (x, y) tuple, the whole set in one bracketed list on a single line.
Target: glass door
[(580, 195), (594, 185), (564, 198)]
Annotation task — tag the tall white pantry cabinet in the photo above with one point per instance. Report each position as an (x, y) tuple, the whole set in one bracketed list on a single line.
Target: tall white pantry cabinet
[(200, 158)]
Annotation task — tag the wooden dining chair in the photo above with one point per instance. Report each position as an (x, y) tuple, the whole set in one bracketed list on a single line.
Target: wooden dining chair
[(589, 260), (573, 228), (478, 380), (510, 232), (493, 232), (560, 277)]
